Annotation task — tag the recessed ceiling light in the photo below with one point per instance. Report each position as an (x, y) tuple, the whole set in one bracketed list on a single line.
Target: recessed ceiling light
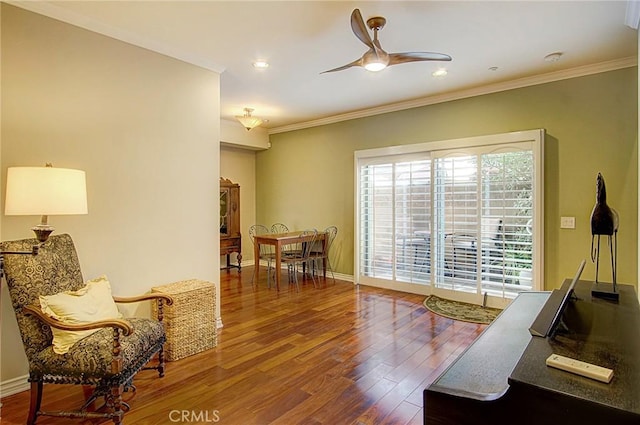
[(260, 64), (439, 72), (493, 68), (553, 57)]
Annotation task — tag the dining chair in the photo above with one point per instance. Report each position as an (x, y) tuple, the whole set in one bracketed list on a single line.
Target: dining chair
[(282, 228), (279, 228), (297, 254), (320, 251), (266, 251)]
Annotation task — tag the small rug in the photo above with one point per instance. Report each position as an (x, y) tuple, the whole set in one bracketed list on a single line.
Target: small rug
[(461, 311)]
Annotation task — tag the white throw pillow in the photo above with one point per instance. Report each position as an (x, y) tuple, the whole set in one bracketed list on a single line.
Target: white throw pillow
[(91, 303)]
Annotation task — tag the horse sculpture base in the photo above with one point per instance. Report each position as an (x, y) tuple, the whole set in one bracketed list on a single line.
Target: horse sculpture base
[(605, 291)]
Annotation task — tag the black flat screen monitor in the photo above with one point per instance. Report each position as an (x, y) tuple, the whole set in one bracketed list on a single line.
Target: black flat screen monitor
[(554, 308), (565, 299)]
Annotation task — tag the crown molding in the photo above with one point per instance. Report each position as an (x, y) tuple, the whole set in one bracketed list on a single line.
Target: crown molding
[(51, 10), (462, 94)]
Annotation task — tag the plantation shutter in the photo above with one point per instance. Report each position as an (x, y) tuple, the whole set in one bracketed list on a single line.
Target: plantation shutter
[(395, 215), (413, 220), (376, 220), (456, 221), (507, 217), (460, 219), (483, 214)]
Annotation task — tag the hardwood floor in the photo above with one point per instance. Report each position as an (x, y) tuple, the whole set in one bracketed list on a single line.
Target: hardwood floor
[(339, 354)]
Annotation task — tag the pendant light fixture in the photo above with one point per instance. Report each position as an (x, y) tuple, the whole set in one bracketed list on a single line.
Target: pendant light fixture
[(249, 121)]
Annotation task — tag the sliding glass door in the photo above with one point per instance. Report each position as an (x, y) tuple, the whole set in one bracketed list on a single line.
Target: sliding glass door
[(483, 218), (461, 222)]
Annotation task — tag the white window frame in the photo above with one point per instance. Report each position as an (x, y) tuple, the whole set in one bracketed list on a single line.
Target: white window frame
[(535, 137)]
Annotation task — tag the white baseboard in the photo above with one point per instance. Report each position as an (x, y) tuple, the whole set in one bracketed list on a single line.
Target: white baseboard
[(346, 277), (14, 386)]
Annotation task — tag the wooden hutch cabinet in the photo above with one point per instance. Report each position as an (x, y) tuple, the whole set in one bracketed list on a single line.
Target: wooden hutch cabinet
[(230, 238)]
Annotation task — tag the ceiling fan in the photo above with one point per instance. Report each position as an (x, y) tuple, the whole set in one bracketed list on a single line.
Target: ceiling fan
[(376, 59)]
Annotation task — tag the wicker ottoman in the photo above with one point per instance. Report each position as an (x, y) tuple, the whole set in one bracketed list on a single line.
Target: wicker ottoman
[(190, 323)]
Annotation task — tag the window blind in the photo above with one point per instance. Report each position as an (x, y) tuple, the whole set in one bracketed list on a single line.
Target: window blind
[(461, 217)]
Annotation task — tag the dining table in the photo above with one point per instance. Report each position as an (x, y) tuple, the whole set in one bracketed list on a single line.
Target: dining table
[(278, 241)]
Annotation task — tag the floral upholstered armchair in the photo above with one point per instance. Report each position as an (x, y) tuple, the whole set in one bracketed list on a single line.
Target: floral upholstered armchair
[(107, 359)]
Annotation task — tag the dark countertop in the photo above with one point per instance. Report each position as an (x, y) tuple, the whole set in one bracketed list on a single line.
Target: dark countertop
[(601, 332), (481, 372)]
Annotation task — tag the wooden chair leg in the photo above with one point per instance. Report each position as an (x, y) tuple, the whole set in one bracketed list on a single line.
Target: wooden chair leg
[(34, 404), (161, 362), (115, 402)]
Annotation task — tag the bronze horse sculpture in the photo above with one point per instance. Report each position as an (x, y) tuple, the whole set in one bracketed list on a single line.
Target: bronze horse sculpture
[(604, 221)]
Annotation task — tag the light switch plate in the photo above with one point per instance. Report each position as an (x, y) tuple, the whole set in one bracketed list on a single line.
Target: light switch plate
[(567, 222)]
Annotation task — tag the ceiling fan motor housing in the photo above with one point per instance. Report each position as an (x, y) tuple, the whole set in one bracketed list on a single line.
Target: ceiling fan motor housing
[(376, 23)]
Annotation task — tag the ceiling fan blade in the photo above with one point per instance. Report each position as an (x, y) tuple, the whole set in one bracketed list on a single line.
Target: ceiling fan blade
[(396, 58), (359, 28), (357, 62)]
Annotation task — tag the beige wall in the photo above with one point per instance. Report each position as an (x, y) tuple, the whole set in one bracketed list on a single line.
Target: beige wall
[(239, 166), (143, 126), (306, 179)]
